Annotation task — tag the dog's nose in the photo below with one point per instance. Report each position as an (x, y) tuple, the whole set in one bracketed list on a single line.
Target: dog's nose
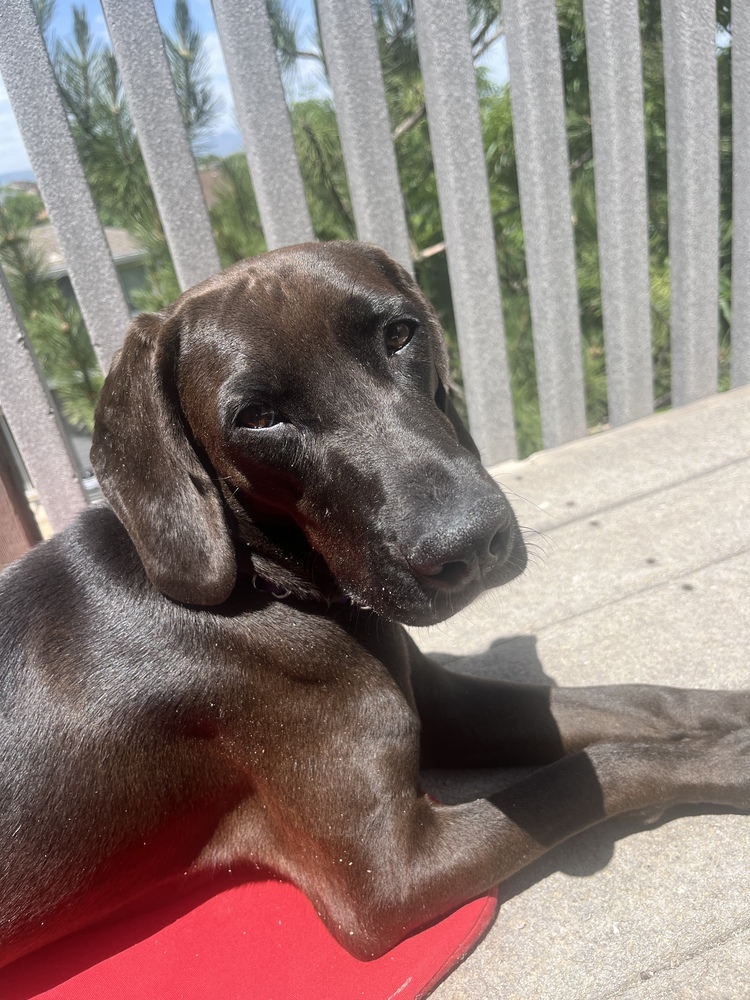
[(449, 563), (450, 573)]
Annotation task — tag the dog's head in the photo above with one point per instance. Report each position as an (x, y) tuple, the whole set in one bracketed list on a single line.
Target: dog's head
[(290, 416)]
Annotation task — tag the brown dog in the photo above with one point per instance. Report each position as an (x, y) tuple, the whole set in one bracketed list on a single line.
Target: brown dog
[(211, 671)]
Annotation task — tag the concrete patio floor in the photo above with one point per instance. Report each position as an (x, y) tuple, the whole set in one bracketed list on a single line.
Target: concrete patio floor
[(639, 571)]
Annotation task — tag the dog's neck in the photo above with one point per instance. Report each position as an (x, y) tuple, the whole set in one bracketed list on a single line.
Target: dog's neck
[(282, 575), (278, 559), (281, 593), (282, 572)]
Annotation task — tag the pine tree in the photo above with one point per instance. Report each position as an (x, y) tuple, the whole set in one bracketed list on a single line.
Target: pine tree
[(103, 130), (106, 138), (53, 320)]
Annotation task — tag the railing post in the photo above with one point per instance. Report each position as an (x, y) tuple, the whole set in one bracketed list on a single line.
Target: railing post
[(264, 121), (356, 76), (613, 48), (536, 91), (33, 420), (456, 138), (147, 80), (740, 194), (42, 121), (690, 84)]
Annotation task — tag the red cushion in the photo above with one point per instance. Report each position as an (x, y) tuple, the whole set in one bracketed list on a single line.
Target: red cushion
[(251, 937)]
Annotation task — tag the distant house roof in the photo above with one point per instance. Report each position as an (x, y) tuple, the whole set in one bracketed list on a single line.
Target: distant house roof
[(25, 187), (125, 249)]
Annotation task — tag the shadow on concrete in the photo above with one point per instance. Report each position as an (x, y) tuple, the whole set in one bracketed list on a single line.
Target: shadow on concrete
[(510, 658), (515, 658), (591, 851)]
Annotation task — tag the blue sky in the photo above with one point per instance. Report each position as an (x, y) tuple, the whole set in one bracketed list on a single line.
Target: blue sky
[(13, 159)]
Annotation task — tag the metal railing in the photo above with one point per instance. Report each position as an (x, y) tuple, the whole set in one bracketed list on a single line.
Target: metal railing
[(536, 88)]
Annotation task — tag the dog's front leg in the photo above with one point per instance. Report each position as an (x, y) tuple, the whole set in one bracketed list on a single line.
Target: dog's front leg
[(342, 815), (479, 722), (408, 861)]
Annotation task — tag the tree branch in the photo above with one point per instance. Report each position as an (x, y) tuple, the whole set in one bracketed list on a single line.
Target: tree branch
[(440, 247), (416, 116), (582, 160), (309, 55), (476, 53), (409, 122), (429, 252)]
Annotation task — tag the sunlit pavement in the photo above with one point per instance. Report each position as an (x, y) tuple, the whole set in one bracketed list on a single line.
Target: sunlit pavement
[(639, 571)]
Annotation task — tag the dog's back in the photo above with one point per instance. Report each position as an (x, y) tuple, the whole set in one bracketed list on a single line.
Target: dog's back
[(85, 665)]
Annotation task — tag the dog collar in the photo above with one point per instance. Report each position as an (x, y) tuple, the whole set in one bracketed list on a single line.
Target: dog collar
[(280, 593), (274, 589)]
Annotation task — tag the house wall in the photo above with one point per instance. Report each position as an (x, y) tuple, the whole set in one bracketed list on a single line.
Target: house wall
[(18, 529)]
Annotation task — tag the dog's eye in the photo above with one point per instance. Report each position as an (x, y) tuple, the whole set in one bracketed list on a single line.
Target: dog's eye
[(258, 417), (398, 335)]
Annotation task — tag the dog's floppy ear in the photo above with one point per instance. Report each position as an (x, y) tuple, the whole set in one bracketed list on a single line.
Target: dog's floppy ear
[(151, 475)]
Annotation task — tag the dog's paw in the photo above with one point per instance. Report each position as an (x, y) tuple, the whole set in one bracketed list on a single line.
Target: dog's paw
[(731, 711), (698, 712)]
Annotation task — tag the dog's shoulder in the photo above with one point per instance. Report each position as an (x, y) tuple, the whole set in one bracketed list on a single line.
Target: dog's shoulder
[(93, 550), (70, 591)]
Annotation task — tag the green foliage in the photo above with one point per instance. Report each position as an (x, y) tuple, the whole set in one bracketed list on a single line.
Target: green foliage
[(285, 32), (187, 58), (62, 345), (106, 138), (102, 128), (52, 319), (18, 213), (105, 135), (235, 217), (316, 137)]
